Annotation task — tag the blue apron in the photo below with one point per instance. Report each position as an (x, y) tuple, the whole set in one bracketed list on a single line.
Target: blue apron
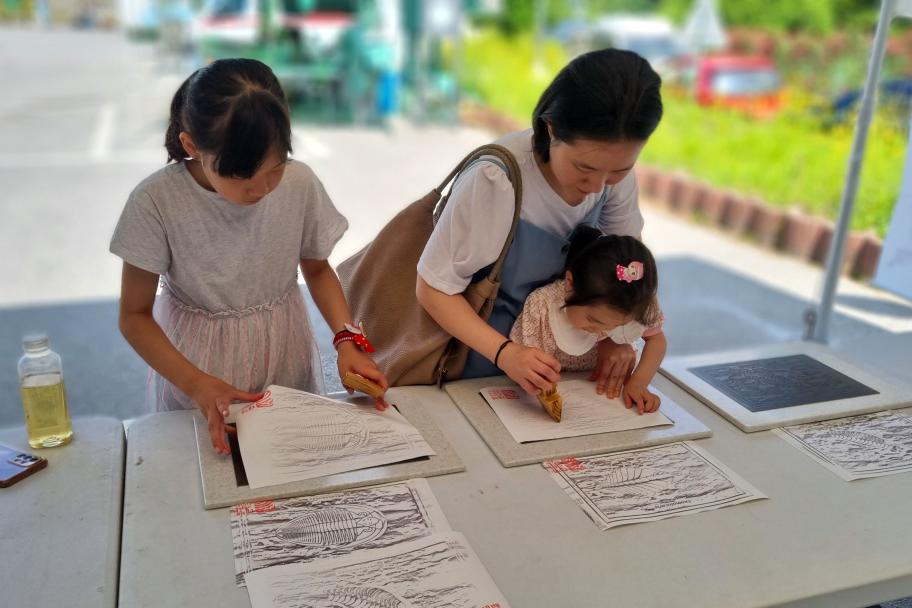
[(535, 258)]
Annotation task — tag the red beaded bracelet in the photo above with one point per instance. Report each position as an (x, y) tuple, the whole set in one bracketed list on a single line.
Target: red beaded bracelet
[(354, 333)]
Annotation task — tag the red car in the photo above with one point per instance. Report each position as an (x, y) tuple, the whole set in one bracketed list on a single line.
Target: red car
[(741, 82)]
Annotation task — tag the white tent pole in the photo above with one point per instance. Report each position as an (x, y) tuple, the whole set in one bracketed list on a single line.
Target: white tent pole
[(818, 321)]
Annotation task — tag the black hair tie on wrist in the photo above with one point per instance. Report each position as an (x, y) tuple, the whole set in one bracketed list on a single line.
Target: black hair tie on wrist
[(500, 350)]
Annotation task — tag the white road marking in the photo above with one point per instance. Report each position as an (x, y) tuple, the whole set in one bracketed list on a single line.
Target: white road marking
[(39, 160), (309, 147), (104, 132)]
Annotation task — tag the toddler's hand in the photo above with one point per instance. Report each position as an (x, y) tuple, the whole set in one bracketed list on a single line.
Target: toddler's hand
[(636, 393), (532, 369), (353, 359), (212, 397), (615, 363)]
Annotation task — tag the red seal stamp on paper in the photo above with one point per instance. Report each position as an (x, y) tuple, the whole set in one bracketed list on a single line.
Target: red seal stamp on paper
[(266, 401), (566, 465), (261, 506), (503, 393)]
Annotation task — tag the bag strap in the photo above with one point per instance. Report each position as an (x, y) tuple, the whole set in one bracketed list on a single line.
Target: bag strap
[(507, 162)]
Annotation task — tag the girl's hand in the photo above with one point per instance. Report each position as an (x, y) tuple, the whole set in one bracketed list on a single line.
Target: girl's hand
[(636, 393), (212, 397), (353, 359), (615, 363), (532, 369)]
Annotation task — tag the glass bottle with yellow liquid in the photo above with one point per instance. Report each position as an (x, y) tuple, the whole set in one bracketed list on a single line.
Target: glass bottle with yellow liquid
[(47, 418)]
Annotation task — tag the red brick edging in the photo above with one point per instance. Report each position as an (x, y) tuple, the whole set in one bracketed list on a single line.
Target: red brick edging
[(790, 231)]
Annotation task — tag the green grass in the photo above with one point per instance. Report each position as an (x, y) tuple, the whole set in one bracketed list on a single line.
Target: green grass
[(789, 160), (499, 71)]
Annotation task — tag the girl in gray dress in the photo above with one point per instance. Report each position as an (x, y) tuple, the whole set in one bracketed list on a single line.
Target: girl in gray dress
[(224, 230)]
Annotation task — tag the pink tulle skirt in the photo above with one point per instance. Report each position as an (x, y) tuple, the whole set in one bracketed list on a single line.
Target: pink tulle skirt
[(250, 349)]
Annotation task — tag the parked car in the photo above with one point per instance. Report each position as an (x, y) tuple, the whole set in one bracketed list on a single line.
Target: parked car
[(895, 93), (654, 39), (749, 83)]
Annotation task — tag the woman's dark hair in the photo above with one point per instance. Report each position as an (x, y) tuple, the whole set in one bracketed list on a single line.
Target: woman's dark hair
[(234, 109), (593, 258), (606, 95)]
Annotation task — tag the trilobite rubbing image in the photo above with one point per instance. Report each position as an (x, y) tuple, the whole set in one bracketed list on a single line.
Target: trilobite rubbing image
[(328, 429), (334, 527), (632, 478), (356, 597)]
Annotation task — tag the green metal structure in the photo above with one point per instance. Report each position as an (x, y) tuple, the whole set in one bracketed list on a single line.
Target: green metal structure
[(317, 48)]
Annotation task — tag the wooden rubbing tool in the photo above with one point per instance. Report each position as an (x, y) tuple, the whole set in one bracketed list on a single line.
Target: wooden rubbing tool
[(359, 383), (552, 402)]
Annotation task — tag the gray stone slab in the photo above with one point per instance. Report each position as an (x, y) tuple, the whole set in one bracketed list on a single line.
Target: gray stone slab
[(60, 535), (690, 373), (220, 489), (465, 393)]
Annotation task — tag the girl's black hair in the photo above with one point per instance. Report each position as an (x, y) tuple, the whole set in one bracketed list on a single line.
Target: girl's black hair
[(606, 95), (593, 258), (234, 109)]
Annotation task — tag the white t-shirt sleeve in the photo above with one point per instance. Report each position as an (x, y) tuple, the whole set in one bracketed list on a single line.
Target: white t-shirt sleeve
[(140, 238), (471, 230), (323, 224), (621, 213)]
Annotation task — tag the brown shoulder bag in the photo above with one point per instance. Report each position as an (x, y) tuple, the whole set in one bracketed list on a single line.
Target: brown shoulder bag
[(379, 285)]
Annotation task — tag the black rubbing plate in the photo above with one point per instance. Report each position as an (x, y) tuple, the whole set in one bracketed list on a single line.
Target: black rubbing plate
[(771, 384), (240, 474)]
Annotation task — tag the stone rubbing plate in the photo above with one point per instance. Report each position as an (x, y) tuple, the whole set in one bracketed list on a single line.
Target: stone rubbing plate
[(465, 393), (221, 483), (778, 382), (783, 384)]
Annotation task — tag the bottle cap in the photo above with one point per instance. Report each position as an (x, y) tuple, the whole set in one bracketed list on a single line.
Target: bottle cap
[(35, 342)]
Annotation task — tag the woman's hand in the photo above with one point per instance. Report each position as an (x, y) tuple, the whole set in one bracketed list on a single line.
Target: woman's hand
[(353, 359), (637, 393), (532, 369), (212, 397), (615, 363)]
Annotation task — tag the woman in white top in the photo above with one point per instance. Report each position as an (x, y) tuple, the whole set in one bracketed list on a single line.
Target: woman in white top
[(587, 131)]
